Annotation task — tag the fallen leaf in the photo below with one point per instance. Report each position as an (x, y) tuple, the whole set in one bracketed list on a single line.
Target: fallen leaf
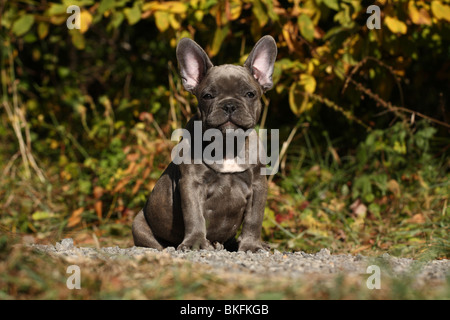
[(98, 209), (75, 218), (417, 218)]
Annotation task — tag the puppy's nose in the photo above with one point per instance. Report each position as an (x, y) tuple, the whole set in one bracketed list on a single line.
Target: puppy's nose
[(229, 108)]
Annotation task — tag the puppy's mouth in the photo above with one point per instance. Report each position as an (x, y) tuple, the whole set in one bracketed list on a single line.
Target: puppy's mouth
[(228, 125)]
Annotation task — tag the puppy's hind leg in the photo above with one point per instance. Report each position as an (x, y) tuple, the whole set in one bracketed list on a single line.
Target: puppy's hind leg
[(142, 234)]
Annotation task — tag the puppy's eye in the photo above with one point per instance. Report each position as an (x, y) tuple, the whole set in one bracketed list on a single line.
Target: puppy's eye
[(208, 96), (250, 95)]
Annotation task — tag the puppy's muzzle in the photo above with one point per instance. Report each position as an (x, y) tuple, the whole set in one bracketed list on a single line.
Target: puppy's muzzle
[(229, 108)]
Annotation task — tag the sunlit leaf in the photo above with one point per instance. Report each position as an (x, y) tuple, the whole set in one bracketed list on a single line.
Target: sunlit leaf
[(162, 20), (23, 24), (298, 99), (41, 215), (332, 4), (85, 21), (260, 13), (308, 82), (235, 9), (219, 36), (418, 16), (395, 25), (440, 10), (174, 21), (133, 14)]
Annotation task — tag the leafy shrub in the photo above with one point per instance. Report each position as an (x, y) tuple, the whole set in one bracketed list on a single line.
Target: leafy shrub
[(88, 113)]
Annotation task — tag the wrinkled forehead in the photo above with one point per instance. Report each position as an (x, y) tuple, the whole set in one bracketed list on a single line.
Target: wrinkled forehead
[(228, 78)]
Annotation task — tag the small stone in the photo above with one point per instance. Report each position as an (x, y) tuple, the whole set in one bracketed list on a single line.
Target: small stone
[(359, 257), (66, 244), (170, 249), (324, 252)]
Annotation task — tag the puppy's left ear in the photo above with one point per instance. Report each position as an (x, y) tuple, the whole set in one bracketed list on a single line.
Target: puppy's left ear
[(261, 60)]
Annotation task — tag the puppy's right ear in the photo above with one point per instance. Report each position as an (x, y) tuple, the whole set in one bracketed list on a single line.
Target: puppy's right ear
[(193, 62)]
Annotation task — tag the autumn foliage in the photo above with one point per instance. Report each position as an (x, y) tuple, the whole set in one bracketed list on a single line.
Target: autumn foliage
[(87, 114)]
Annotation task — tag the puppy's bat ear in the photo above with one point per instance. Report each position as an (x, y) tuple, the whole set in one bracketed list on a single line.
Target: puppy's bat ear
[(193, 62), (261, 60)]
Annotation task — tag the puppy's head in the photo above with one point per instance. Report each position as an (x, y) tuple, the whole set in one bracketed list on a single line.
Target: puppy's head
[(229, 96)]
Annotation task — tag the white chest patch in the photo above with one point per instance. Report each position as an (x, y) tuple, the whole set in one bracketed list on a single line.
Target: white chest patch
[(230, 165)]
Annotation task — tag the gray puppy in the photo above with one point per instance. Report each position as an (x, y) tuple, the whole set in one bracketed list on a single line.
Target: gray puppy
[(200, 205)]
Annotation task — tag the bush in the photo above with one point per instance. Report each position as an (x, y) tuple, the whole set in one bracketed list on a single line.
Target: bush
[(88, 113)]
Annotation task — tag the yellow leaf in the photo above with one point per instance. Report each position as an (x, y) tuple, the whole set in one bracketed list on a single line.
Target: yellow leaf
[(235, 9), (169, 6), (162, 20), (86, 20), (308, 82), (395, 25), (198, 15), (175, 24), (299, 99), (440, 10), (418, 16), (176, 7)]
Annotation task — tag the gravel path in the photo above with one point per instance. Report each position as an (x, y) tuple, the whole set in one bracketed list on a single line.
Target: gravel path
[(293, 265)]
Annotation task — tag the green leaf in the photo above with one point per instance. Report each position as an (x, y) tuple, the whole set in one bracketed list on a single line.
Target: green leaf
[(56, 9), (80, 3), (41, 215), (105, 5), (306, 27), (260, 13), (219, 36), (332, 4), (22, 25), (42, 30), (133, 14), (116, 20), (78, 39), (270, 10)]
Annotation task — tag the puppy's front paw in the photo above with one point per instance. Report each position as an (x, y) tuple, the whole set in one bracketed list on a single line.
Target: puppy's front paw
[(217, 245), (195, 245), (253, 246)]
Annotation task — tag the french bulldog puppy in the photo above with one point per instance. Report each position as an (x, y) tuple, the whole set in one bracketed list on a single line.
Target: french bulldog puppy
[(202, 205)]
